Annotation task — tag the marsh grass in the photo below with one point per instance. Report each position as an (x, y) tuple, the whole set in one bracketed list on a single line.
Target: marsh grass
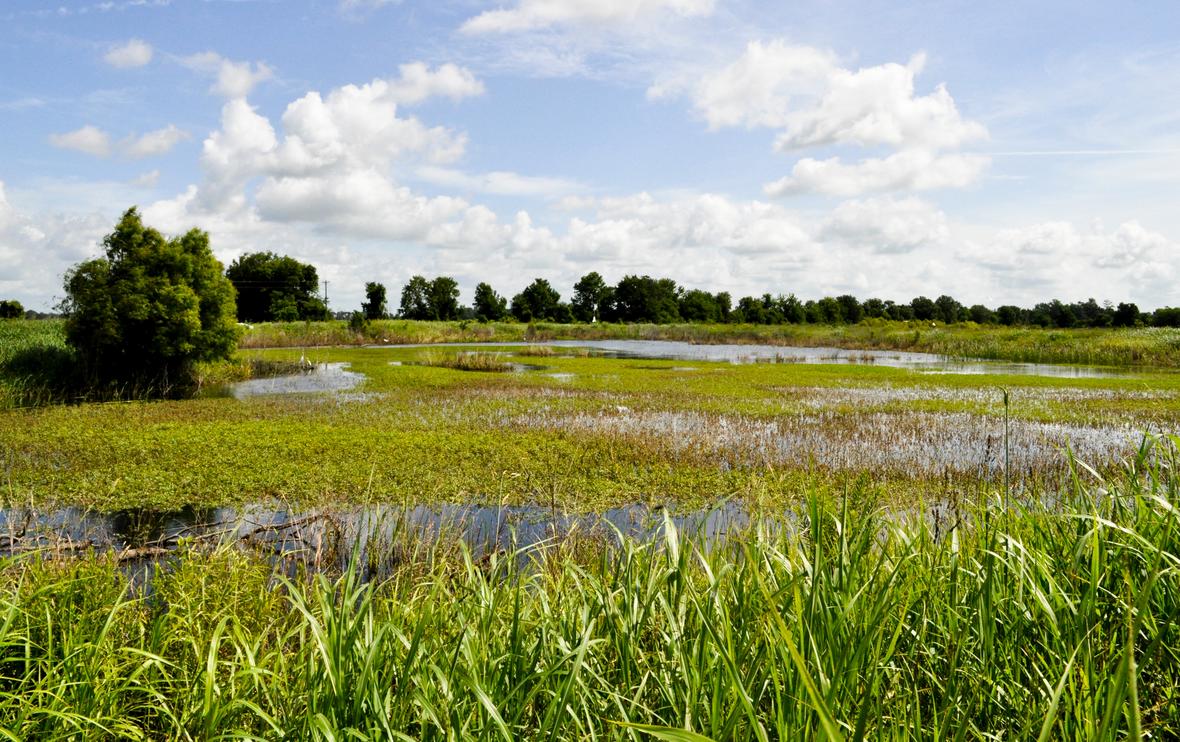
[(1043, 621), (465, 361)]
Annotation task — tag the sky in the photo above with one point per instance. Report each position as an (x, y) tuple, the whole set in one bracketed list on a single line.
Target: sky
[(1000, 152)]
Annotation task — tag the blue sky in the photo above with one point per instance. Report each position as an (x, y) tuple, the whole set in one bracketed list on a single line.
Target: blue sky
[(1000, 152)]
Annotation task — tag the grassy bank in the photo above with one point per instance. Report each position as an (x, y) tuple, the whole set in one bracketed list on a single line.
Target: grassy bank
[(1123, 347), (1034, 623)]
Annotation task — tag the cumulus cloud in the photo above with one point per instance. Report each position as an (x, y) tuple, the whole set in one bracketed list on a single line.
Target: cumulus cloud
[(813, 101), (529, 15), (886, 225), (232, 79), (133, 53), (805, 92), (88, 139), (416, 82), (152, 143), (917, 170), (332, 162)]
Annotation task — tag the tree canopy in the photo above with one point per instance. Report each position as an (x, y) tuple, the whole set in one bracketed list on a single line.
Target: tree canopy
[(276, 288), (149, 307), (374, 306), (437, 299), (489, 306), (11, 309)]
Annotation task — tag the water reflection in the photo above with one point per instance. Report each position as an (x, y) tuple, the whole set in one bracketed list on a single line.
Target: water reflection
[(322, 377)]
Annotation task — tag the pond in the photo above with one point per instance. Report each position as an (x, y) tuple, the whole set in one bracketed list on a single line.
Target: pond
[(671, 350)]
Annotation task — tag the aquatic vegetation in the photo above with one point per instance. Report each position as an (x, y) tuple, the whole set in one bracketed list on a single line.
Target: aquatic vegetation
[(1040, 621)]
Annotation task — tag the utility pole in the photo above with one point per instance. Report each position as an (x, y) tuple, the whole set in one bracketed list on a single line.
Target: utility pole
[(325, 293)]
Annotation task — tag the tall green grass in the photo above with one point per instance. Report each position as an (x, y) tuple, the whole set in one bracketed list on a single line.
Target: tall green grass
[(1046, 621)]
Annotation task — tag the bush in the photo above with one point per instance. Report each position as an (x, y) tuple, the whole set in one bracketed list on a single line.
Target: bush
[(150, 308)]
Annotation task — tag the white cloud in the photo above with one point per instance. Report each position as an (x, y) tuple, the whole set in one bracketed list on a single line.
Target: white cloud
[(133, 53), (528, 15), (806, 93), (499, 182), (417, 82), (153, 143), (335, 157), (760, 88), (887, 225), (147, 180), (234, 79), (88, 139), (1061, 261), (35, 250), (916, 170)]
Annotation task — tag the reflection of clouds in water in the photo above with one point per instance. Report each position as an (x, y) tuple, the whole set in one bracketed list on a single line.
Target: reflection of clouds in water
[(913, 443)]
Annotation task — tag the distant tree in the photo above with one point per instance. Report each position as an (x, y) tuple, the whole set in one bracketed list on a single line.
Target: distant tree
[(749, 310), (275, 288), (538, 302), (792, 309), (850, 309), (374, 306), (647, 299), (948, 310), (724, 305), (489, 306), (11, 309), (444, 298), (415, 299), (1166, 317), (589, 292), (899, 312), (150, 307), (829, 311), (1009, 315), (981, 315), (1126, 315), (699, 306), (874, 308), (923, 308)]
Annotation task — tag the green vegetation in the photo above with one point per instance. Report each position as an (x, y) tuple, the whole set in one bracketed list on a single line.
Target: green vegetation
[(11, 309), (902, 575), (1030, 623)]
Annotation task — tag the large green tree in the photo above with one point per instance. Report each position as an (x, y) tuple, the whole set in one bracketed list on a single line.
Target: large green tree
[(538, 302), (276, 288), (149, 307), (589, 294), (444, 298), (647, 299), (489, 306), (374, 305)]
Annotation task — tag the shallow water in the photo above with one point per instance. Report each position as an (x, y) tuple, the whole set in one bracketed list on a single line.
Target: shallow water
[(671, 350), (328, 538), (323, 377)]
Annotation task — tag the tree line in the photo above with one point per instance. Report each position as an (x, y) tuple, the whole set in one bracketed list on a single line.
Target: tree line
[(643, 299), (151, 307)]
